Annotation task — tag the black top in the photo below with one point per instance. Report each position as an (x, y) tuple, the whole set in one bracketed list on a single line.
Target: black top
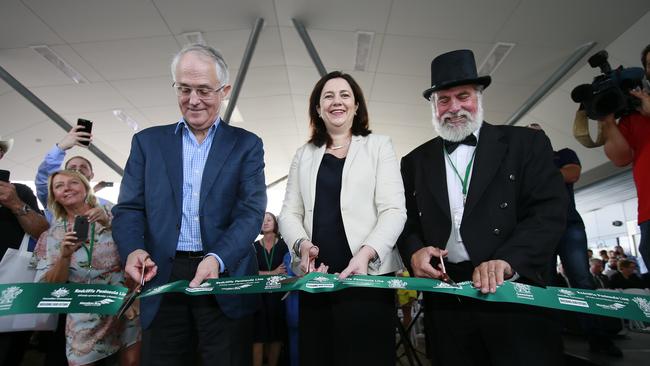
[(618, 281), (329, 233), (561, 158), (12, 232), (275, 256)]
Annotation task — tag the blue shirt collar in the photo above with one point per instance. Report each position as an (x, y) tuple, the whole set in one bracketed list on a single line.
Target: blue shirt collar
[(182, 123)]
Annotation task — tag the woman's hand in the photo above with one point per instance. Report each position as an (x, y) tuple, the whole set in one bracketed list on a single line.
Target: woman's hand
[(279, 270), (359, 262), (308, 255), (69, 244), (99, 215)]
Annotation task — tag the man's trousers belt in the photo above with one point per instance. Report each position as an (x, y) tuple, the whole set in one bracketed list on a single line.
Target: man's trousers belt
[(191, 255), (105, 299)]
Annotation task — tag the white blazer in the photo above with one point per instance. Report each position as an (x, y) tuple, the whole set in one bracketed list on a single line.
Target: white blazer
[(372, 199)]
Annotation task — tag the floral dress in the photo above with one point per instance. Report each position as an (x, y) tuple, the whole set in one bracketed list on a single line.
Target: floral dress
[(89, 337)]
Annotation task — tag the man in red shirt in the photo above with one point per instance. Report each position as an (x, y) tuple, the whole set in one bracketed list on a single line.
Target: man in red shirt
[(629, 142)]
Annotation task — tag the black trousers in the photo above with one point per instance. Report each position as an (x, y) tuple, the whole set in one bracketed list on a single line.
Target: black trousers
[(189, 328), (355, 326), (464, 332)]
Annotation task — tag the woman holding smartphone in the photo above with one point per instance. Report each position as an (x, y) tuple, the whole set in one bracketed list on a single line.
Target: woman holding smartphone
[(61, 256)]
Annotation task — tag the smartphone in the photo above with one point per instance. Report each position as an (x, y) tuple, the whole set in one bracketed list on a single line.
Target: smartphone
[(87, 127), (4, 175), (108, 184), (81, 228)]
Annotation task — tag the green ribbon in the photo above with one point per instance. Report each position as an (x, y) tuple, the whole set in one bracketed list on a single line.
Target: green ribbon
[(612, 304), (21, 298)]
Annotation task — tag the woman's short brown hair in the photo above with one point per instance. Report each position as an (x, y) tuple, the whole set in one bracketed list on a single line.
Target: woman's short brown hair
[(56, 208), (319, 135)]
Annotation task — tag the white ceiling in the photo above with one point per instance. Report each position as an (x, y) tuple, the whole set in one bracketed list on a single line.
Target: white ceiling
[(123, 47)]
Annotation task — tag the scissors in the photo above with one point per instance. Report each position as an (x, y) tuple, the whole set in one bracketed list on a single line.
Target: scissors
[(130, 298), (445, 277)]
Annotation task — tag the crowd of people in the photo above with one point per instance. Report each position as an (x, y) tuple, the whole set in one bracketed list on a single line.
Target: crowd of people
[(481, 203)]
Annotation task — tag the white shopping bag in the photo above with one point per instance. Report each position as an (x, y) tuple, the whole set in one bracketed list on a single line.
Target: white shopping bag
[(15, 268)]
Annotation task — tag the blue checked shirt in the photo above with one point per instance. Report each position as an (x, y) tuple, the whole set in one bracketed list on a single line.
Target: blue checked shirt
[(194, 158)]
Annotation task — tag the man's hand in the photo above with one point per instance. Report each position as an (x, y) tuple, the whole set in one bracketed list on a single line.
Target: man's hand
[(644, 97), (421, 262), (359, 262), (135, 262), (74, 137), (9, 197), (488, 275), (308, 255), (208, 268)]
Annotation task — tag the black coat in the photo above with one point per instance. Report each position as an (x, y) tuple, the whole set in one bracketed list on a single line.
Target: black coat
[(516, 204)]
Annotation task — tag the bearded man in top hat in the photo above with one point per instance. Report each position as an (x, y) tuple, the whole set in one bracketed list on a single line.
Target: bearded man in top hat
[(488, 201)]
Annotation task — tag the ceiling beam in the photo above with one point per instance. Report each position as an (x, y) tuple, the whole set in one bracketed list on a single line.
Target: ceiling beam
[(243, 68), (302, 32), (49, 112)]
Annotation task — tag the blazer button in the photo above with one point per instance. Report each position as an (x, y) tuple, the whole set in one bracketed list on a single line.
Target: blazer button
[(420, 213), (414, 193), (511, 177), (503, 205), (496, 231)]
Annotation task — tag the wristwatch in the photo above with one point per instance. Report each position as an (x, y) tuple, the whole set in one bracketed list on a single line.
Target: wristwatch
[(23, 210)]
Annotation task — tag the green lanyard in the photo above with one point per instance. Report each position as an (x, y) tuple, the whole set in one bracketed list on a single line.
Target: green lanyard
[(269, 258), (89, 248), (468, 169)]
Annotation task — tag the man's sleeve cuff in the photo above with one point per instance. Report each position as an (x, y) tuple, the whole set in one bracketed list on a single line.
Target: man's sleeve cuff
[(222, 267)]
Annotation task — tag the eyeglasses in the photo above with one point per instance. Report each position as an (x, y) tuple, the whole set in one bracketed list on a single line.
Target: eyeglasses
[(202, 92)]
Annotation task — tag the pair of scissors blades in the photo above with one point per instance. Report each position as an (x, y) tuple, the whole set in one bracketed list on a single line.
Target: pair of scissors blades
[(445, 277), (130, 298)]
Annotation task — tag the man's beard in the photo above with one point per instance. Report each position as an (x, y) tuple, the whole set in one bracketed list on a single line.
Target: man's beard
[(458, 132)]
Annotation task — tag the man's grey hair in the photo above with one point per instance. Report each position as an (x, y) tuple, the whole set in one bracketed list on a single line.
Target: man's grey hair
[(209, 52)]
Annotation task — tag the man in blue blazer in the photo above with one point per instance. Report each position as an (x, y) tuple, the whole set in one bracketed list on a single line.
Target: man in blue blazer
[(191, 203)]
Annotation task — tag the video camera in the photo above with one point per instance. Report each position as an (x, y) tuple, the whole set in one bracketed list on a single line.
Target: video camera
[(610, 91)]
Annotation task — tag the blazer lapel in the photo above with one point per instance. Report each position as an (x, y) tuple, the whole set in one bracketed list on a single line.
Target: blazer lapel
[(172, 152), (355, 145), (222, 144), (489, 153), (315, 164), (436, 174)]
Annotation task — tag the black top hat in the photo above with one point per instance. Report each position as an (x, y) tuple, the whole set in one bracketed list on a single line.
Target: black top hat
[(452, 69)]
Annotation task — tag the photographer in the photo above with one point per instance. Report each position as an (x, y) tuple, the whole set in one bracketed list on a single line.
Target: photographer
[(629, 142)]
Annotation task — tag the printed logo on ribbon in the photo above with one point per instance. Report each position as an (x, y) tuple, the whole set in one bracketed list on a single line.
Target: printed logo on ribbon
[(8, 296), (320, 282), (615, 306), (273, 282), (572, 302), (523, 291), (204, 287), (60, 292), (644, 305), (566, 292), (96, 303), (395, 283)]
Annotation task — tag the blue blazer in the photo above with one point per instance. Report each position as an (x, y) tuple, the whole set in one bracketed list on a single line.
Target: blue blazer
[(232, 204)]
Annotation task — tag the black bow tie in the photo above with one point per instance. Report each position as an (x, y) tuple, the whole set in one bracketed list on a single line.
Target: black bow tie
[(450, 146)]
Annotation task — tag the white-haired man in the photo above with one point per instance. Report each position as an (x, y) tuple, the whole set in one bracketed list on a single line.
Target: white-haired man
[(191, 202), (489, 202)]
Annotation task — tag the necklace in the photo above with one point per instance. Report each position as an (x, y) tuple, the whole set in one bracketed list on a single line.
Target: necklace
[(337, 147)]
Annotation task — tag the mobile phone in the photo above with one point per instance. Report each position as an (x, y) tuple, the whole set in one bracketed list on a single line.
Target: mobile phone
[(4, 175), (81, 228), (87, 127), (108, 184)]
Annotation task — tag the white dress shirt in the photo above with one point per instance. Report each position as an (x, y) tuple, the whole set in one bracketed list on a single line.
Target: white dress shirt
[(460, 158)]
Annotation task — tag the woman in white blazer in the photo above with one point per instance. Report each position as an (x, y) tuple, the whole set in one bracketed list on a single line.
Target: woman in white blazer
[(342, 213)]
